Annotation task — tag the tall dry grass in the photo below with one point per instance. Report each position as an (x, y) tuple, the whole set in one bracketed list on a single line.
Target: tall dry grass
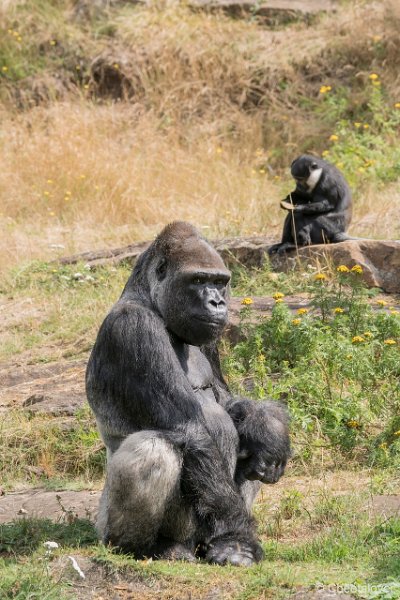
[(86, 176), (207, 93)]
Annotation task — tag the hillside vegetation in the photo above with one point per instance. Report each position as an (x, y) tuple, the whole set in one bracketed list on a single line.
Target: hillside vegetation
[(117, 120)]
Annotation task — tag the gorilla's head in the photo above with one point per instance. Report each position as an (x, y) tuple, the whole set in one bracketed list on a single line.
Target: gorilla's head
[(188, 283)]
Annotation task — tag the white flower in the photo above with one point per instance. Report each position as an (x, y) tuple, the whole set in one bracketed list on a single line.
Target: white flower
[(50, 545)]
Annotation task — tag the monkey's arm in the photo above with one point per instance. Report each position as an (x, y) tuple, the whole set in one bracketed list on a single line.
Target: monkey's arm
[(311, 208), (263, 429)]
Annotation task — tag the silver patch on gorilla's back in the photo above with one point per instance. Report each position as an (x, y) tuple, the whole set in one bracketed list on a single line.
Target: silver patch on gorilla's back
[(313, 179)]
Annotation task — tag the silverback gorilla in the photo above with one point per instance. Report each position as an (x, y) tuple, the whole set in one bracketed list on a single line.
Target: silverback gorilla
[(185, 458), (319, 208)]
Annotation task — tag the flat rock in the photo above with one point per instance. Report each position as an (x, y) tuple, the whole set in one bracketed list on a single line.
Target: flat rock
[(324, 593), (56, 388), (49, 505), (380, 260), (275, 10)]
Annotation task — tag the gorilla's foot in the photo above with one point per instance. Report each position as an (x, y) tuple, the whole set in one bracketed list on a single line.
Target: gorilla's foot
[(234, 552), (173, 551)]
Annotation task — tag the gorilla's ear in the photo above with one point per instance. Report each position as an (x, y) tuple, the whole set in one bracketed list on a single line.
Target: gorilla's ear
[(161, 269)]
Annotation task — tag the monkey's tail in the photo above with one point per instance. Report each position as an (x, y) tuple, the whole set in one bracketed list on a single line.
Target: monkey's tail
[(343, 237)]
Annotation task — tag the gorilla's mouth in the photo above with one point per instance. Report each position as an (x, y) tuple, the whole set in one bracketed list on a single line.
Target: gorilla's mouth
[(213, 320)]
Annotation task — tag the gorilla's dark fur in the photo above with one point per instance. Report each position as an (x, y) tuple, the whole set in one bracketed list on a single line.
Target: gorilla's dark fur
[(319, 208), (185, 458)]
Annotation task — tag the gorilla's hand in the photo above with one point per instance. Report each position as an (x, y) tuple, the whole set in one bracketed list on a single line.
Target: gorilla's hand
[(258, 463), (264, 439)]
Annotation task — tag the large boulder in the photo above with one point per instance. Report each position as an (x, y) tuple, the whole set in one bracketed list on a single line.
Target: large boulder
[(379, 259)]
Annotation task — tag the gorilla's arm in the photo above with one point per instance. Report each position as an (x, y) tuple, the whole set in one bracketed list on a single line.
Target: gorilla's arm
[(134, 363), (263, 429)]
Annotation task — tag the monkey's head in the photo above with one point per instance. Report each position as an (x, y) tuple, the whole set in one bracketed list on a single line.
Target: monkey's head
[(188, 284), (307, 170)]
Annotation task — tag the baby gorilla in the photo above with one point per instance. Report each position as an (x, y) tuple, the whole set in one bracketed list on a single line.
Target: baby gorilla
[(185, 458), (319, 208)]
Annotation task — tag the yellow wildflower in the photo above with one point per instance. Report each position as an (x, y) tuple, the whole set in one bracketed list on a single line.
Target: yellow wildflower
[(389, 342), (366, 126), (397, 105), (262, 171), (4, 69), (261, 357), (397, 432), (349, 356), (247, 301), (338, 310), (324, 89), (46, 193), (116, 66), (383, 446), (368, 334), (376, 38), (53, 42), (376, 83), (373, 76), (333, 137), (357, 124), (381, 302), (278, 301), (340, 165), (325, 153), (302, 311), (357, 339), (353, 424), (343, 269), (394, 312), (296, 322), (320, 277), (218, 150), (357, 269), (278, 295)]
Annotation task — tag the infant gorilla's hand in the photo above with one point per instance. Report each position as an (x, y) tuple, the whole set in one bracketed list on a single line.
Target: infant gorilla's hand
[(261, 467)]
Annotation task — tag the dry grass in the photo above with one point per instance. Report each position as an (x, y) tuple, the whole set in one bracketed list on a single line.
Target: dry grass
[(205, 93), (83, 176)]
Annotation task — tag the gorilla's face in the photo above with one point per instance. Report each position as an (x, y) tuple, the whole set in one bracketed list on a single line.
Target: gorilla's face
[(192, 295)]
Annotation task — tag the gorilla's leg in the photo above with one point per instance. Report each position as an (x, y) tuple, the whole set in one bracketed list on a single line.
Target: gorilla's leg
[(249, 491), (141, 492)]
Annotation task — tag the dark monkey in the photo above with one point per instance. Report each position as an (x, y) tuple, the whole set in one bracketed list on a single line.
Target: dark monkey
[(319, 208), (185, 458)]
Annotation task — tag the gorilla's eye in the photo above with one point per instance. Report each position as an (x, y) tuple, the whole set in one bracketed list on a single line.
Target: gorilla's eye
[(161, 269), (197, 280), (314, 166)]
